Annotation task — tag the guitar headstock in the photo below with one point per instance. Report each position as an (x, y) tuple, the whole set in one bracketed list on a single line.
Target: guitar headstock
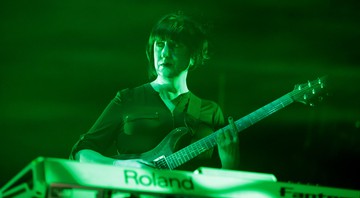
[(310, 92)]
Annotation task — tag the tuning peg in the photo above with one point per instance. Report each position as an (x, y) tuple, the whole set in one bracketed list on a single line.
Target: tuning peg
[(313, 91), (309, 83)]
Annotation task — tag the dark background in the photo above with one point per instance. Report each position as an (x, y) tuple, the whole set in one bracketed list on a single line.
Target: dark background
[(63, 61)]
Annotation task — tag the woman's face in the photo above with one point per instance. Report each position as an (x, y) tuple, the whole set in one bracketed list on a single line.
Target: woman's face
[(170, 58)]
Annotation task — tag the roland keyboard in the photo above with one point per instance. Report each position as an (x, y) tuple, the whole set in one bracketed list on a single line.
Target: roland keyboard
[(60, 178)]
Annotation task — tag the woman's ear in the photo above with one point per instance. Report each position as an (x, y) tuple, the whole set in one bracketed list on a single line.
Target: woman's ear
[(192, 61), (191, 64)]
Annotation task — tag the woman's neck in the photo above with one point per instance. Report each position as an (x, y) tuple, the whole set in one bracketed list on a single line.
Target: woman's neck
[(170, 87)]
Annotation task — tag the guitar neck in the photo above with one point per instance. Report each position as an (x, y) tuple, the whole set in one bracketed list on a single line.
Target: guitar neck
[(189, 152), (262, 113)]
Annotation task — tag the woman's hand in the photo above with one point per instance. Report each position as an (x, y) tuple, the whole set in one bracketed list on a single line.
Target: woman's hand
[(134, 163), (228, 146)]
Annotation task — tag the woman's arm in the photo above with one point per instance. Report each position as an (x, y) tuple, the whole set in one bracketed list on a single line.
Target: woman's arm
[(90, 156)]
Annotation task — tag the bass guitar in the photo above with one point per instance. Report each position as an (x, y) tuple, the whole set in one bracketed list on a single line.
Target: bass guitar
[(164, 157)]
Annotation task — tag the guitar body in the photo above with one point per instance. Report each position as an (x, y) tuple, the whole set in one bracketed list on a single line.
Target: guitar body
[(165, 148)]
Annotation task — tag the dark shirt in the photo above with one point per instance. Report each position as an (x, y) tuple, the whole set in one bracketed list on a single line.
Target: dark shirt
[(137, 120)]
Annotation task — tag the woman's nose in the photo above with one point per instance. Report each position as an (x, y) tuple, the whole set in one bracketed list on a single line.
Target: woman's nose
[(165, 52)]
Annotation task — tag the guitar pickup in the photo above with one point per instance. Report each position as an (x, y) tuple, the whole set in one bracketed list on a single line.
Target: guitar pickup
[(161, 162)]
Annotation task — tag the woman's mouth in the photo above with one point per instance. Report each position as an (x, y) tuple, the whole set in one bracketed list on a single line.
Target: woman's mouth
[(166, 64)]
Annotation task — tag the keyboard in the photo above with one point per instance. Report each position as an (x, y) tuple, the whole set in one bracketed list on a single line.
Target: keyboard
[(60, 178)]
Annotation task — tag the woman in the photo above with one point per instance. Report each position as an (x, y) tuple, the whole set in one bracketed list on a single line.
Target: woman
[(138, 119)]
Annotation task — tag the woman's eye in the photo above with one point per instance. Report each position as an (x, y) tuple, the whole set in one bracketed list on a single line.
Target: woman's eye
[(173, 44), (160, 44), (170, 44)]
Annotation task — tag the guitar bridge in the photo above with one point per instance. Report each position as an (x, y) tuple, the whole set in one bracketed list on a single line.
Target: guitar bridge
[(161, 163)]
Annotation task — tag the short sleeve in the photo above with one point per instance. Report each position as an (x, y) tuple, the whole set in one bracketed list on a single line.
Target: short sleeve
[(102, 134)]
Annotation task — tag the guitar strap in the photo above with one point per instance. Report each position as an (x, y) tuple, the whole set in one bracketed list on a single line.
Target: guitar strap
[(194, 106), (193, 112)]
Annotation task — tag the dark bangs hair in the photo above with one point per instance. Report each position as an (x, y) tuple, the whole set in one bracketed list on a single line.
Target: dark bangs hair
[(179, 28)]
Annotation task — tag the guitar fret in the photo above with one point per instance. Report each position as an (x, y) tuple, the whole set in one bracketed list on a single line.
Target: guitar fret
[(173, 163), (251, 122), (181, 160), (208, 144), (177, 160)]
